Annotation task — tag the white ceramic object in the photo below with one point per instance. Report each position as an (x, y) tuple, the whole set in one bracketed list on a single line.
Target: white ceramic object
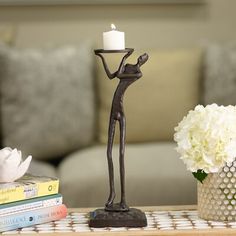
[(11, 165)]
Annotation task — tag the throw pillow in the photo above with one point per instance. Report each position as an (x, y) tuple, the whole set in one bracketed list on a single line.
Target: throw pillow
[(7, 34), (220, 75), (47, 99), (158, 101)]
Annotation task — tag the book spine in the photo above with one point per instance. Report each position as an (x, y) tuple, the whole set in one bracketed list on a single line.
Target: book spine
[(29, 191), (31, 206), (26, 219)]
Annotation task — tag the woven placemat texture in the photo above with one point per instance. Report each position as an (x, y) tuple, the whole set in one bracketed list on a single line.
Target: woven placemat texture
[(157, 220)]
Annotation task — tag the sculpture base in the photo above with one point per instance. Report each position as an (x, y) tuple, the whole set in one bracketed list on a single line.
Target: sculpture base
[(132, 218)]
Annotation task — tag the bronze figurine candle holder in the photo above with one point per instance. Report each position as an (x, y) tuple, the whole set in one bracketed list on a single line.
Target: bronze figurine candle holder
[(119, 214)]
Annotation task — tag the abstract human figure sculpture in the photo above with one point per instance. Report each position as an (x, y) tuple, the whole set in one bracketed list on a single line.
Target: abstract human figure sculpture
[(127, 74)]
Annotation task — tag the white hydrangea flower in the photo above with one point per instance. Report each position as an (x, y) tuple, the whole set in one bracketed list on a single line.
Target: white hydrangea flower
[(206, 137)]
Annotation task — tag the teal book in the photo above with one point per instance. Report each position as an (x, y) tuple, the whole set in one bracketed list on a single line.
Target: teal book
[(30, 204), (29, 218)]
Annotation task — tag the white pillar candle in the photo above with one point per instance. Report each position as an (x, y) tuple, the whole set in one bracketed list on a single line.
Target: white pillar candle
[(113, 40)]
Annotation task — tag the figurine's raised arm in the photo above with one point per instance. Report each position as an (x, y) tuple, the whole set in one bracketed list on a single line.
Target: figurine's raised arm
[(121, 67), (109, 74)]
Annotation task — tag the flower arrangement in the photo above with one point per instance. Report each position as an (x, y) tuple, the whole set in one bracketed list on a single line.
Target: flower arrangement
[(206, 139)]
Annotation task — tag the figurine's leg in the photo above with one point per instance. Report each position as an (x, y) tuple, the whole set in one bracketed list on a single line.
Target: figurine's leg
[(111, 133), (122, 164)]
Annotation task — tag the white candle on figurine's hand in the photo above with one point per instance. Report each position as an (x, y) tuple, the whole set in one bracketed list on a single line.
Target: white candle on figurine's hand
[(113, 40)]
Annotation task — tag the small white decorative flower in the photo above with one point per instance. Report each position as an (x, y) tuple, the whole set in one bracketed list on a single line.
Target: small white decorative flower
[(11, 165), (206, 137)]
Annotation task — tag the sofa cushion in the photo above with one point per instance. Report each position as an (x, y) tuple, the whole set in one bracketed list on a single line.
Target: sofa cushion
[(154, 105), (47, 99), (41, 168), (154, 176), (220, 75), (7, 34)]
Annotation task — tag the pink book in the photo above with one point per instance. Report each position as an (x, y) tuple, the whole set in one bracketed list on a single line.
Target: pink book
[(32, 217)]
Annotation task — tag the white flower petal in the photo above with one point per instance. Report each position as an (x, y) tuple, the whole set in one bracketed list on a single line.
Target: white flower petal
[(206, 137), (11, 167), (4, 153), (14, 158), (23, 167)]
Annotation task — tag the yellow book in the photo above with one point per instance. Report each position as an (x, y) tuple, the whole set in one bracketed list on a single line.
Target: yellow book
[(27, 187)]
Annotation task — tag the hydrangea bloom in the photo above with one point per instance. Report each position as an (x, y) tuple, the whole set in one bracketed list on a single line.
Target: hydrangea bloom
[(206, 137)]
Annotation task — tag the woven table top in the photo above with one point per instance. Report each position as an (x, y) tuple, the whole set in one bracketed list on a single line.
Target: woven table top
[(162, 222)]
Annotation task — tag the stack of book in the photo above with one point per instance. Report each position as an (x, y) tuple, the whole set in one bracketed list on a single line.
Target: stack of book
[(29, 201)]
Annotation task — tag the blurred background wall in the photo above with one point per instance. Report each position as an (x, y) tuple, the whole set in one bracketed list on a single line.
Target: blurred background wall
[(154, 26)]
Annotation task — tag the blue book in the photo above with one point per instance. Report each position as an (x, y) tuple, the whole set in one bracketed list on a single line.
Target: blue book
[(29, 218)]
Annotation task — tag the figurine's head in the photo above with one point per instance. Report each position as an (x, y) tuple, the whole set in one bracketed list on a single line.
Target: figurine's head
[(142, 59)]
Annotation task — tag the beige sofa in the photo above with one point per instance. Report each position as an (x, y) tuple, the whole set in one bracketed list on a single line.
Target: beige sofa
[(154, 105)]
